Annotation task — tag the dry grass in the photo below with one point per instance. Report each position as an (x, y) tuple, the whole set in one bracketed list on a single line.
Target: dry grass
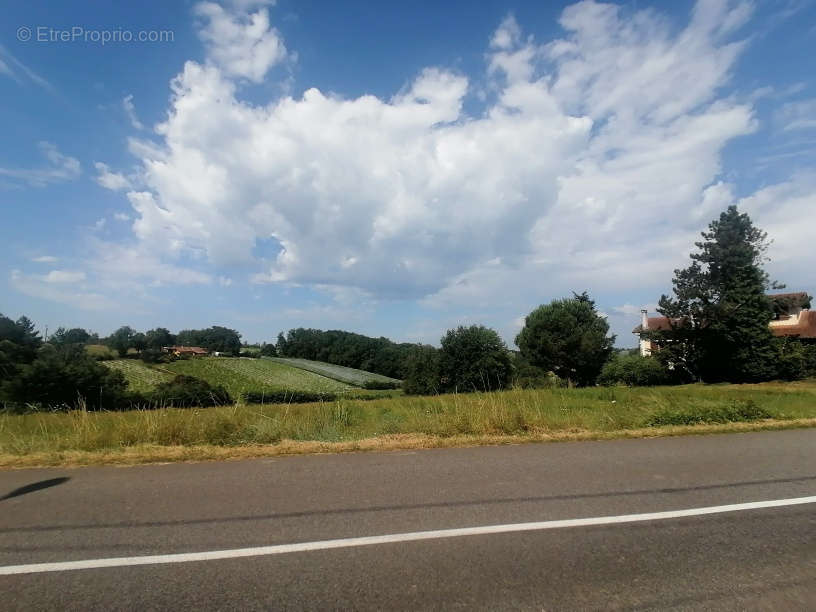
[(80, 438)]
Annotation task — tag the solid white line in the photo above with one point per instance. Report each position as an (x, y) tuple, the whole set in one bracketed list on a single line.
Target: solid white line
[(282, 549)]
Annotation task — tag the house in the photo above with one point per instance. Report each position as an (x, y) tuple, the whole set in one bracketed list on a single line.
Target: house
[(186, 351), (792, 318)]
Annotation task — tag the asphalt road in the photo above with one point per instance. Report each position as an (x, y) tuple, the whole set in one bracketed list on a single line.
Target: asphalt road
[(751, 559)]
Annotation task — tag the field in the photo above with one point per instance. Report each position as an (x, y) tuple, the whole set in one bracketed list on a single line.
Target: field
[(238, 375), (343, 374), (140, 377), (400, 422)]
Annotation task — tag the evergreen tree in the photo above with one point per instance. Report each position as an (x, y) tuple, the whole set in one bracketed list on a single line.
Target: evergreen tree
[(719, 312), (567, 337)]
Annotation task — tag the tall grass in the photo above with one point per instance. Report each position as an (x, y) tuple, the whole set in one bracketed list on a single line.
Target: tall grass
[(513, 412)]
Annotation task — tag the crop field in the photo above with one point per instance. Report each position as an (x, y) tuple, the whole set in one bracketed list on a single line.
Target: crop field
[(140, 377), (238, 375), (343, 374)]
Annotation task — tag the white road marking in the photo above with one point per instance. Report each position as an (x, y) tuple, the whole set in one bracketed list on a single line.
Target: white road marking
[(282, 549)]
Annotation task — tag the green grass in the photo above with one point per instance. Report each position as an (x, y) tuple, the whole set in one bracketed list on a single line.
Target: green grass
[(238, 375), (140, 376), (519, 414), (351, 376), (100, 351)]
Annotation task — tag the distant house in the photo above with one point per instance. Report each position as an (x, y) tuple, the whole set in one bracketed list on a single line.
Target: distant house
[(792, 318), (186, 351)]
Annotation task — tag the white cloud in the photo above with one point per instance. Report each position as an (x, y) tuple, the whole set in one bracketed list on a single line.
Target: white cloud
[(121, 216), (593, 166), (64, 276), (130, 111), (17, 70), (799, 115), (61, 168), (71, 296), (114, 181), (45, 259), (240, 43)]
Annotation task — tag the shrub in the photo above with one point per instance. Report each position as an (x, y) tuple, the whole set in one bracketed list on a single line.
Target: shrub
[(276, 396), (634, 371), (152, 355), (67, 377), (738, 410), (528, 376), (474, 358), (422, 373), (380, 385), (184, 391)]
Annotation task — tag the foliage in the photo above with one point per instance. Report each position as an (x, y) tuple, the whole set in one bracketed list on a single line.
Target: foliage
[(75, 335), (121, 340), (157, 338), (286, 397), (719, 311), (66, 377), (378, 355), (474, 358), (795, 359), (185, 391), (567, 337), (215, 338), (528, 376), (19, 342), (269, 350), (734, 412), (422, 371), (351, 376), (100, 352), (634, 371), (152, 355)]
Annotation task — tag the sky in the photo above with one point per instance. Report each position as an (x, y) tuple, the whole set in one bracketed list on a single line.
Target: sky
[(394, 169)]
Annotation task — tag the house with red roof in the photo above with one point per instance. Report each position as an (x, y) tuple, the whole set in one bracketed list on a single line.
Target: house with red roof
[(792, 318)]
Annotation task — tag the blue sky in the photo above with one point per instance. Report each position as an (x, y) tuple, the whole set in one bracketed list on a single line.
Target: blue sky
[(392, 169)]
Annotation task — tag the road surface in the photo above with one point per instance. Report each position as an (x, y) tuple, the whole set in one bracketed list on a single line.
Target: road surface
[(743, 558)]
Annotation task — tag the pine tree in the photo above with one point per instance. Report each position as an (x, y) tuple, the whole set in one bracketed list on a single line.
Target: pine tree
[(720, 311)]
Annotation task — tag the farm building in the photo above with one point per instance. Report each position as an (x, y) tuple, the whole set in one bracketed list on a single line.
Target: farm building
[(186, 351), (792, 318)]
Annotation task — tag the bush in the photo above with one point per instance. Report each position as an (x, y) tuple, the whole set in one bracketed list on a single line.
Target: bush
[(474, 358), (286, 397), (422, 373), (67, 377), (736, 411), (528, 376), (155, 356), (634, 371), (381, 385), (184, 391)]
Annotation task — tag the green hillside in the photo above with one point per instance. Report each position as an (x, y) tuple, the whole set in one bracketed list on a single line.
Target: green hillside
[(350, 376), (140, 377), (238, 375)]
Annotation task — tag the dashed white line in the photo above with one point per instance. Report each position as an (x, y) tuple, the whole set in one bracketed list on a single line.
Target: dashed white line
[(282, 549)]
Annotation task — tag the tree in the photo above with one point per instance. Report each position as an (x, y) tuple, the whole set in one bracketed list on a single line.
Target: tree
[(121, 340), (75, 335), (158, 338), (474, 358), (719, 313), (269, 350), (567, 337), (63, 377), (216, 338), (280, 345), (422, 374)]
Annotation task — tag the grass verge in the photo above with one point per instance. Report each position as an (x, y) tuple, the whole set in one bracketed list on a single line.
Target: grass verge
[(401, 422)]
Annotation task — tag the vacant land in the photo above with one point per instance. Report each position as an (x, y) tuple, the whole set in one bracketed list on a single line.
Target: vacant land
[(350, 376), (400, 422)]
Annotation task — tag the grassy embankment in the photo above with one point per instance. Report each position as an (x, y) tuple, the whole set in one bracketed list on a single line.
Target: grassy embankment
[(400, 422)]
